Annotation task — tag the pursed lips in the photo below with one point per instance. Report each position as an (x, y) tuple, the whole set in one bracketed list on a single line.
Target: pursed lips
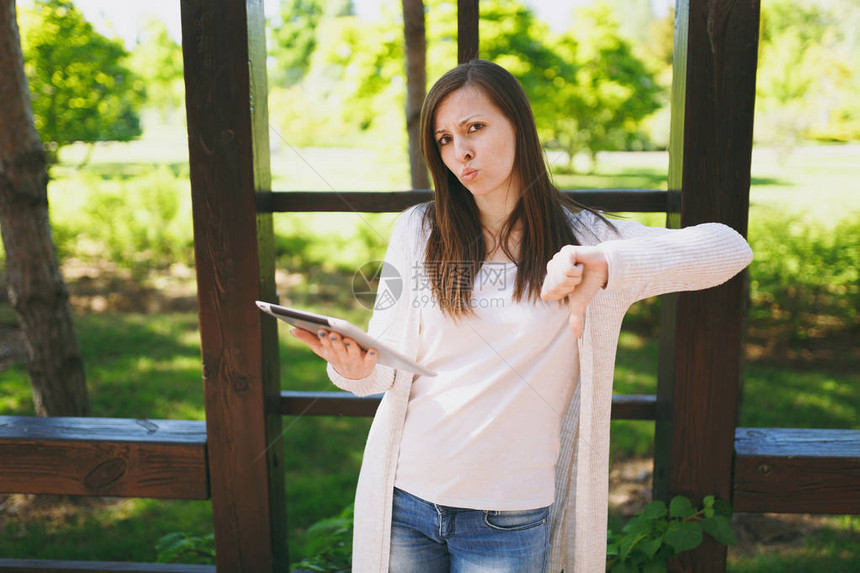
[(468, 174)]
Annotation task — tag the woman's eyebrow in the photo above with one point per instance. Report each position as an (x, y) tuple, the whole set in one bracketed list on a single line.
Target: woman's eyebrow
[(462, 121)]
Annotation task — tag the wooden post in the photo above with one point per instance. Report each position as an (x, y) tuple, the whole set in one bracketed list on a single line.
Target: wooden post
[(713, 91), (467, 30), (225, 85)]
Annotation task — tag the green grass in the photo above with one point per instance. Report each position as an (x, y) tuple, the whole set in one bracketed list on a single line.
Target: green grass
[(832, 548), (148, 365), (126, 530)]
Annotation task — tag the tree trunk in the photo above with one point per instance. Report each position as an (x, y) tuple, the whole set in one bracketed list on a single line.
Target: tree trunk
[(416, 82), (36, 288)]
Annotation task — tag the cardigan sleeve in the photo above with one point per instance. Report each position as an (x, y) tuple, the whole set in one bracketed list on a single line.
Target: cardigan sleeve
[(388, 323), (651, 260)]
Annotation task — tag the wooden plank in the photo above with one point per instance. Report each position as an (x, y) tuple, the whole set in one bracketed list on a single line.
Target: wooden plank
[(788, 470), (798, 443), (467, 30), (701, 348), (633, 407), (50, 566), (331, 403), (104, 456), (225, 89), (612, 200), (190, 432), (293, 403)]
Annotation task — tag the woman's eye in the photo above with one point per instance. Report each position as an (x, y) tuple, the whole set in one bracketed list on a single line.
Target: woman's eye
[(476, 127), (444, 140)]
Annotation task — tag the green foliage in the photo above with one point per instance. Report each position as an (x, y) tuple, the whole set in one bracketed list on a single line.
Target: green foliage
[(184, 548), (157, 60), (602, 105), (589, 92), (82, 89), (329, 545), (805, 276), (808, 70), (352, 84), (644, 544), (656, 534), (293, 40), (140, 225)]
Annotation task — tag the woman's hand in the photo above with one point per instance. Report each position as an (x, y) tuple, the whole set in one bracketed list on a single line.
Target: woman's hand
[(577, 273), (342, 352)]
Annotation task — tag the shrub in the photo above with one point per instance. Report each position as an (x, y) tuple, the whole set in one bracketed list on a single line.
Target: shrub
[(658, 533), (805, 275)]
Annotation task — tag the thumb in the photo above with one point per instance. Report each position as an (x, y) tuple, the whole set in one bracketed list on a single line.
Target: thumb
[(576, 320), (580, 298)]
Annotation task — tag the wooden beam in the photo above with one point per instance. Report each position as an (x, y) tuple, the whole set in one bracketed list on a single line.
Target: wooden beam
[(50, 566), (225, 92), (612, 200), (709, 165), (103, 456), (787, 470), (467, 30), (293, 403)]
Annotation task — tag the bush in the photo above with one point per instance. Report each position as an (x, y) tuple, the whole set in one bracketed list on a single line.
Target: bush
[(658, 533), (141, 224), (805, 276), (644, 544), (329, 545)]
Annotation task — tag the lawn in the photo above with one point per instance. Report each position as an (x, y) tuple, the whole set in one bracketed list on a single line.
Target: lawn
[(142, 353)]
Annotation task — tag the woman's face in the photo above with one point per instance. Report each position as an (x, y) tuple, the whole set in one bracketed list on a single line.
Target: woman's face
[(477, 143)]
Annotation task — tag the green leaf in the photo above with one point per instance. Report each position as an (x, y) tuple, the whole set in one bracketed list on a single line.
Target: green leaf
[(174, 550), (683, 535), (637, 526), (168, 541), (612, 550), (628, 543), (720, 528), (680, 506), (708, 501), (654, 510), (651, 545)]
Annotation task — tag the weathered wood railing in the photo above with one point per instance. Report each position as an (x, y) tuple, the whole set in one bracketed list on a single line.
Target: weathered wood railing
[(629, 200), (698, 448), (624, 406)]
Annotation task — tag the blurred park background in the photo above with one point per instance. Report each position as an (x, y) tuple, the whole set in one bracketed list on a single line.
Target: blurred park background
[(598, 74)]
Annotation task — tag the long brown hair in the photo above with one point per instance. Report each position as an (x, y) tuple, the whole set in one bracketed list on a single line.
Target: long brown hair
[(456, 248)]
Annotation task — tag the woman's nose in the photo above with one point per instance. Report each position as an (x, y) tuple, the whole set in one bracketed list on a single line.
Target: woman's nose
[(465, 152)]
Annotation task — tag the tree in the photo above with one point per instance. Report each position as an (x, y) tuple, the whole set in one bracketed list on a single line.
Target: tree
[(601, 107), (36, 288), (294, 40), (416, 86), (807, 64), (81, 88), (514, 38), (157, 60)]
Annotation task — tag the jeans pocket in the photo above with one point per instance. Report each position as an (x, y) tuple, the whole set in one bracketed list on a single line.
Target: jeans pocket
[(516, 520)]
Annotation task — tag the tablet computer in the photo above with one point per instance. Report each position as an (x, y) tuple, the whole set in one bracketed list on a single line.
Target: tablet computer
[(312, 322)]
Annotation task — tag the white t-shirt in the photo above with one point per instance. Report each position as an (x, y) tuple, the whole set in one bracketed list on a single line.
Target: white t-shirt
[(485, 432)]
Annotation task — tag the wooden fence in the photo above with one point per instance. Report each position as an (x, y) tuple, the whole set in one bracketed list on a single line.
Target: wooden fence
[(228, 458)]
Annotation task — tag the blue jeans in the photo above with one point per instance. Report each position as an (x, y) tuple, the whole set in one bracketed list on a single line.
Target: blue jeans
[(431, 538)]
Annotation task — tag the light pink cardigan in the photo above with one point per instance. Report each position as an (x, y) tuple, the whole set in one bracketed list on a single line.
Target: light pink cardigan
[(643, 262)]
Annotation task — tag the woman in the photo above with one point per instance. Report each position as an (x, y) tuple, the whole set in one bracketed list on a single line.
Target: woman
[(500, 462)]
